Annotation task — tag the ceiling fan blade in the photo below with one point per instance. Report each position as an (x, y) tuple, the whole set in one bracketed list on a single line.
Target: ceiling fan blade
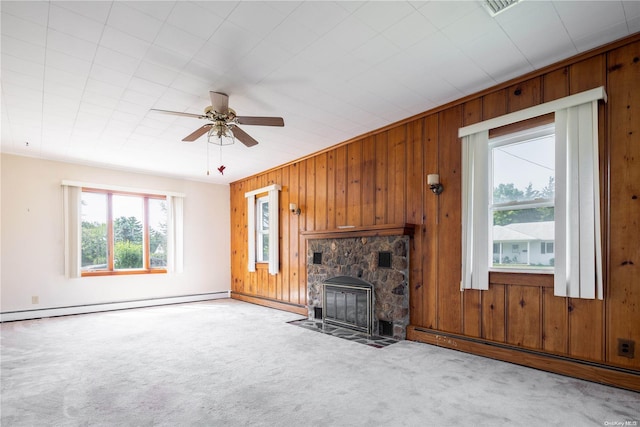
[(197, 133), (178, 113), (219, 102), (244, 137), (260, 121)]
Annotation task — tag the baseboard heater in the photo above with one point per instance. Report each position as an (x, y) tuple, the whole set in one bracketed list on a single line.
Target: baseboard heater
[(110, 306), (576, 368)]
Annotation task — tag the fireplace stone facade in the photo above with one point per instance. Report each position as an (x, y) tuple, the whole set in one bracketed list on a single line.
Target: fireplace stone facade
[(382, 261)]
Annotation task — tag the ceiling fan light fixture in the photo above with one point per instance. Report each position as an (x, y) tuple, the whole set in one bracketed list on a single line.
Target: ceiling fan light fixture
[(221, 134)]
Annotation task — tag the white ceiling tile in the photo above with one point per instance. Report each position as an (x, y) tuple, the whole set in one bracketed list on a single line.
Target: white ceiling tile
[(261, 62), (319, 17), (177, 40), (166, 58), (592, 40), (159, 10), (194, 19), (71, 23), (145, 102), (472, 25), (351, 6), (133, 22), (410, 30), (146, 87), (349, 34), (65, 62), (200, 71), (10, 62), (591, 16), (281, 36), (20, 49), (123, 43), (70, 45), (634, 24), (97, 10), (34, 11), (442, 13), (116, 61), (73, 80), (110, 76), (191, 84), (375, 50), (217, 58), (631, 9), (237, 42), (155, 73), (55, 88), (497, 56), (102, 90), (22, 80), (380, 15), (259, 18), (220, 8), (25, 30)]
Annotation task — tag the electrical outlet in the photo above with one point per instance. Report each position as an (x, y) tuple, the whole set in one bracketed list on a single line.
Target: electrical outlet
[(35, 299), (626, 348)]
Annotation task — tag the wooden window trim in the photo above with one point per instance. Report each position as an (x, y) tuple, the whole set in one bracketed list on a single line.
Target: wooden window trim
[(146, 255), (522, 125)]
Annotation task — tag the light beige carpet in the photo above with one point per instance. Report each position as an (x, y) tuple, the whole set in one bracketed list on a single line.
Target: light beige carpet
[(228, 363)]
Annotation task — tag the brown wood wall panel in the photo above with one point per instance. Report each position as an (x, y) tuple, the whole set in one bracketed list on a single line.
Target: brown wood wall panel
[(381, 179), (431, 232), (524, 95), (449, 219), (493, 313), (523, 316), (623, 293), (554, 322), (354, 179), (555, 84)]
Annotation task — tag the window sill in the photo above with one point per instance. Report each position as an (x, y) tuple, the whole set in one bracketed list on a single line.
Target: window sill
[(122, 273), (540, 279)]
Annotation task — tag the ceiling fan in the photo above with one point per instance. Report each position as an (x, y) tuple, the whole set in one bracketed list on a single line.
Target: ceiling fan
[(222, 128)]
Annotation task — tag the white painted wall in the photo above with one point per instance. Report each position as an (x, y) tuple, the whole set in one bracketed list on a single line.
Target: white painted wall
[(32, 238)]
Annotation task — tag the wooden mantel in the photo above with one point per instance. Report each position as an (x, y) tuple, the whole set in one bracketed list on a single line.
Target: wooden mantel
[(364, 231)]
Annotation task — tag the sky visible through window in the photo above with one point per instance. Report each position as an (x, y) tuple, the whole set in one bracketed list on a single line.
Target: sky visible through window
[(531, 161), (94, 208)]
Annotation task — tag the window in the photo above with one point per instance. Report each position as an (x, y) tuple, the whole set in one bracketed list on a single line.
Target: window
[(577, 257), (262, 226), (122, 233), (522, 185), (262, 229)]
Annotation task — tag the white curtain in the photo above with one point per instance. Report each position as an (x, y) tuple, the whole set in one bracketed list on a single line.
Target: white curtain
[(175, 234), (475, 211), (251, 232), (274, 225), (72, 235), (578, 253)]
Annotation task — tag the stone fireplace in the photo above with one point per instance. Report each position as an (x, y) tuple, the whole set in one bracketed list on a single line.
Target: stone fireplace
[(380, 259)]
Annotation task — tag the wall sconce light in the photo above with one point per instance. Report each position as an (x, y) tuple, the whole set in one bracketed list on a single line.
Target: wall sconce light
[(294, 209), (433, 180)]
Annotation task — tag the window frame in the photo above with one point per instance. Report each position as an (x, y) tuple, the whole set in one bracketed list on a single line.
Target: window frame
[(146, 256), (538, 127), (262, 232)]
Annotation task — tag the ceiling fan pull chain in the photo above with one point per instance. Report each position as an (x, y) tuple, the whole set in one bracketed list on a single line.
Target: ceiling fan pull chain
[(222, 167), (208, 158)]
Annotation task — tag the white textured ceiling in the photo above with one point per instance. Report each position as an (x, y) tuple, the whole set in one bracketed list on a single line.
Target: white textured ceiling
[(79, 77)]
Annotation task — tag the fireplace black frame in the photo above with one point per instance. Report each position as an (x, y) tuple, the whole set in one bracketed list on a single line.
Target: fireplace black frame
[(344, 288)]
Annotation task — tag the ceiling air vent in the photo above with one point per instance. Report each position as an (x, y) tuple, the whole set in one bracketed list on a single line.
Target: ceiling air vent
[(496, 6)]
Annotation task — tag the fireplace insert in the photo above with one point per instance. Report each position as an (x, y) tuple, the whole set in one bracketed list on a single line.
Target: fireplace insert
[(348, 302)]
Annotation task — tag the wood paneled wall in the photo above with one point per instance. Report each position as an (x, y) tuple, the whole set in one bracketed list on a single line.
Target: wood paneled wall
[(380, 178)]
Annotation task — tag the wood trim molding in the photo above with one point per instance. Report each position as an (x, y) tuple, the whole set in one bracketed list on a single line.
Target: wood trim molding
[(365, 231), (539, 280), (279, 305), (590, 371)]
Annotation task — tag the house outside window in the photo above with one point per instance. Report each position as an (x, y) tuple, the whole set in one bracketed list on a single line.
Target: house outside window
[(521, 210), (122, 233), (262, 229)]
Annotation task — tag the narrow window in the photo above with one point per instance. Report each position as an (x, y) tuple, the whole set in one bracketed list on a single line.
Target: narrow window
[(262, 229), (521, 210)]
